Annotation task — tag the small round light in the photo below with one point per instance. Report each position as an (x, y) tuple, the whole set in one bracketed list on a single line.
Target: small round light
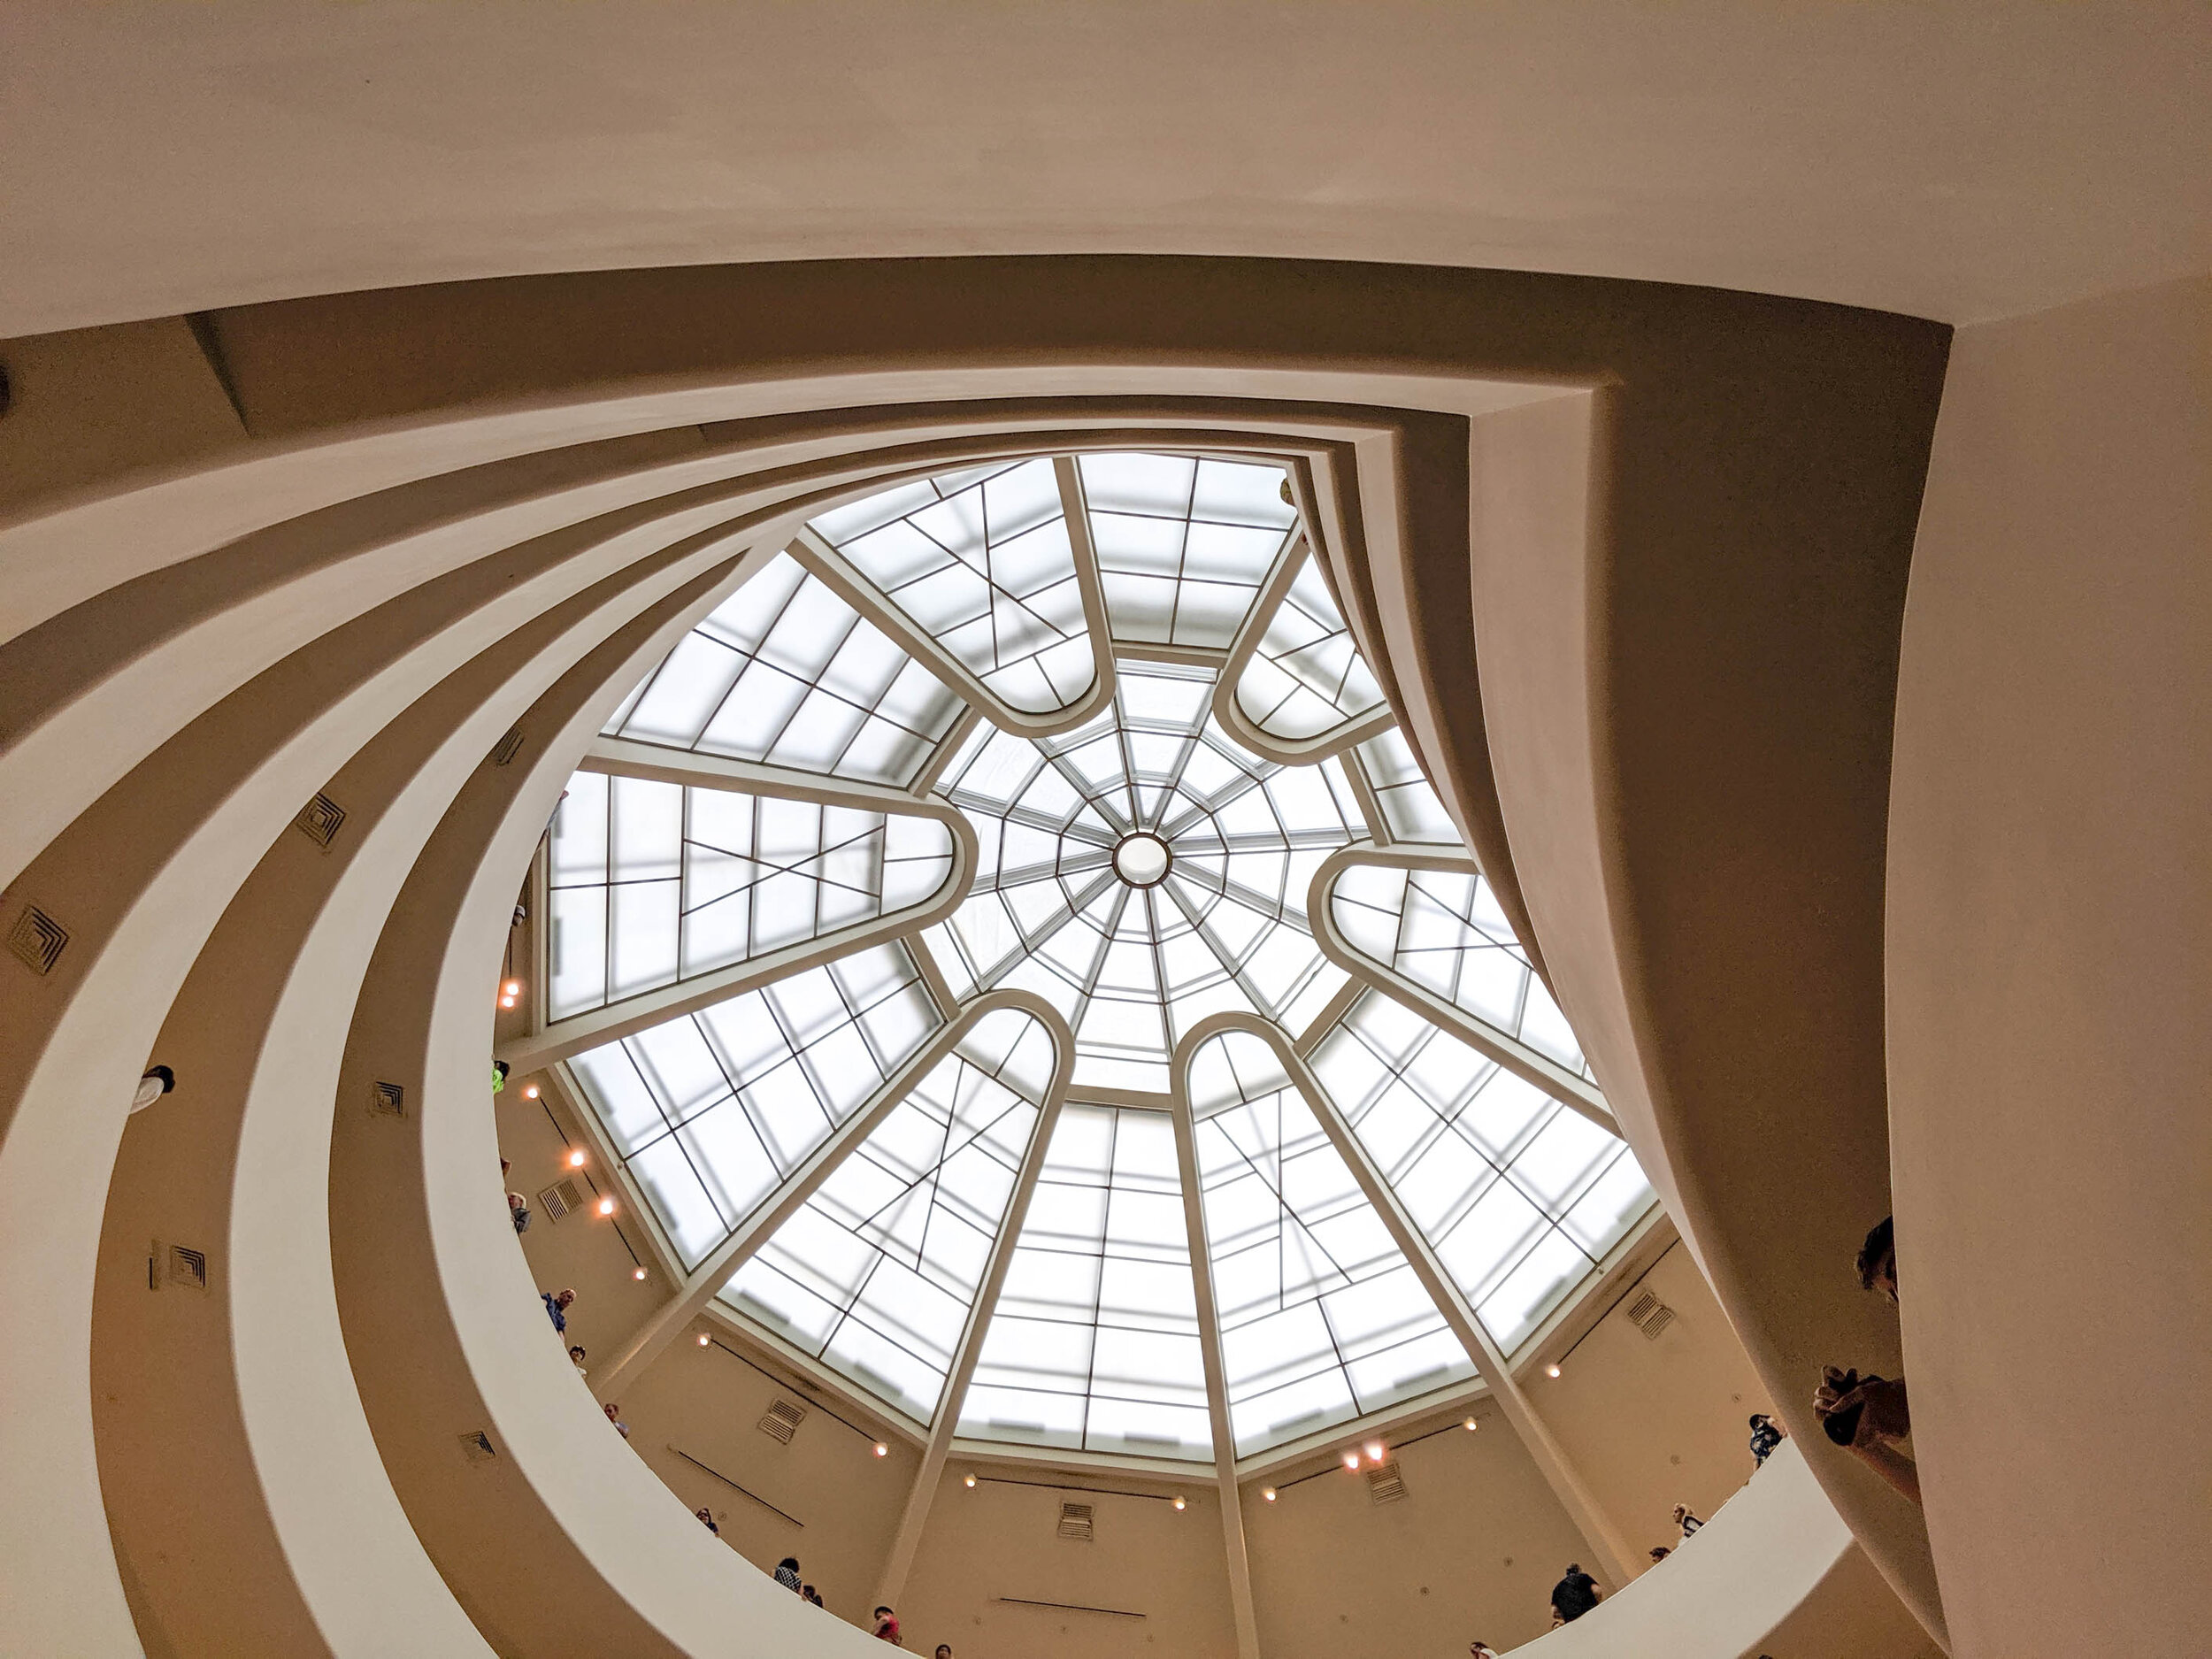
[(1552, 1370), (882, 1450), (1181, 1504), (576, 1162), (606, 1206), (1268, 1492), (704, 1338), (513, 987), (638, 1273), (1351, 1460), (530, 1091), (1470, 1425), (968, 1481), (506, 1001), (1375, 1450)]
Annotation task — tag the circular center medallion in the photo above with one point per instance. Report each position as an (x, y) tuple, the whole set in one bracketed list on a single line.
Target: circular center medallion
[(1142, 860)]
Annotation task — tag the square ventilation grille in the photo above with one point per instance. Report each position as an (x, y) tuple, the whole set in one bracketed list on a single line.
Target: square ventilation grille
[(1075, 1522), (1650, 1315), (176, 1264), (561, 1199), (36, 939), (388, 1100), (321, 820), (781, 1420), (1386, 1483)]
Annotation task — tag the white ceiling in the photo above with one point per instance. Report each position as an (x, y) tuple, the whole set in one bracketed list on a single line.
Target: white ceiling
[(1954, 160)]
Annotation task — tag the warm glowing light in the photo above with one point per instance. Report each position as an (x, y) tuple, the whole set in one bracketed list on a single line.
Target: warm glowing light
[(1375, 1450), (968, 1481), (639, 1273), (576, 1160), (1268, 1492), (513, 987), (530, 1093), (606, 1206), (506, 1001), (704, 1338), (1551, 1370), (1181, 1504), (1351, 1460), (1470, 1425), (882, 1450)]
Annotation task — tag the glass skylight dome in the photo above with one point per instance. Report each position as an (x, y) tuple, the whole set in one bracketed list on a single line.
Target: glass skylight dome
[(1021, 970)]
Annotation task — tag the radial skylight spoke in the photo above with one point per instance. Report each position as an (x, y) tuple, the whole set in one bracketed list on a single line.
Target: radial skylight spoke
[(785, 671), (1322, 1318), (1442, 930), (709, 1112), (651, 882), (1305, 679), (980, 561), (1183, 542), (1520, 1195), (1094, 1344), (878, 1271)]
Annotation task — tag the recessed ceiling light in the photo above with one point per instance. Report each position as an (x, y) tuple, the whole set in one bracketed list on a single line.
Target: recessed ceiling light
[(1268, 1492)]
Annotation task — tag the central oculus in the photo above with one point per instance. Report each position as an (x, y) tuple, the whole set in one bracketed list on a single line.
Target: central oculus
[(1142, 860)]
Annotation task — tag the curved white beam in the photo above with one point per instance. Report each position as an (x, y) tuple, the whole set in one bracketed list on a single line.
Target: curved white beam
[(1304, 751)]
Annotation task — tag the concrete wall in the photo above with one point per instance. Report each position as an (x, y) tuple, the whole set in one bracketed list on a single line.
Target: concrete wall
[(2049, 984)]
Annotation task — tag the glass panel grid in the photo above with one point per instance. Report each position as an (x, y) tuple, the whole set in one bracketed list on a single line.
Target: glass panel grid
[(878, 1272), (709, 1112), (1411, 809), (1093, 1345), (1322, 1318), (980, 561), (1519, 1195), (785, 671), (1306, 677), (1183, 542), (653, 882)]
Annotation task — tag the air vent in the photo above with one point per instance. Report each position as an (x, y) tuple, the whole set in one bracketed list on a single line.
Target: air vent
[(562, 1199), (388, 1100), (477, 1446), (508, 746), (1386, 1484), (1650, 1315), (1075, 1522), (320, 820), (188, 1267), (37, 940), (782, 1420)]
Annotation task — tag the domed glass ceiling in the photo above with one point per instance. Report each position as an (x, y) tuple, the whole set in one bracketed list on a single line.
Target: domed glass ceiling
[(933, 936)]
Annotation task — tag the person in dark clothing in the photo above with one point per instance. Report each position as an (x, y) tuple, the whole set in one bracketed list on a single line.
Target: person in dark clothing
[(1871, 1417), (788, 1574), (1575, 1594), (1766, 1434), (1659, 1553), (706, 1519), (807, 1592)]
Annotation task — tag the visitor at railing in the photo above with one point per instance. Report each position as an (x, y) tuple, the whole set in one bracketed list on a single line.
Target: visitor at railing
[(1481, 1649), (944, 1651), (706, 1519), (1766, 1434), (887, 1627), (1574, 1595), (158, 1080), (807, 1592), (788, 1574), (576, 1358), (1688, 1522), (557, 1302), (1870, 1416), (614, 1415), (1659, 1553)]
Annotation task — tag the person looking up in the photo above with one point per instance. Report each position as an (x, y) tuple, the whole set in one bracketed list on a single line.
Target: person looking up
[(1575, 1594), (1688, 1522), (1870, 1416), (557, 1302), (944, 1651), (576, 1358), (1766, 1434), (706, 1519), (887, 1627), (614, 1415), (788, 1574)]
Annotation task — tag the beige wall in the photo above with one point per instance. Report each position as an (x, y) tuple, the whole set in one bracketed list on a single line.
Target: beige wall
[(2050, 897)]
